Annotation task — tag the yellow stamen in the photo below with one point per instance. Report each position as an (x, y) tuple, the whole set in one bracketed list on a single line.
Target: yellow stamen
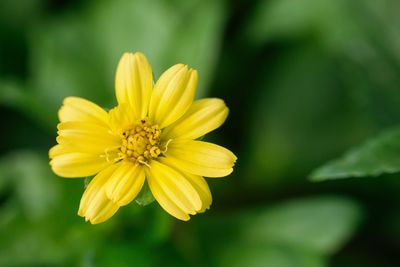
[(141, 143), (166, 146)]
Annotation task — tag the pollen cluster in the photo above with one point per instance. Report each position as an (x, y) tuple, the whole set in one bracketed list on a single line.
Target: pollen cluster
[(141, 143)]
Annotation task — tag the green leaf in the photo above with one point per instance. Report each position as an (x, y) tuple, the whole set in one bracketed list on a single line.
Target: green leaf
[(15, 15), (295, 104), (87, 181), (244, 255), (320, 224), (123, 255), (31, 177), (199, 50), (378, 156), (27, 221), (330, 22), (315, 226), (145, 196), (292, 17), (319, 69)]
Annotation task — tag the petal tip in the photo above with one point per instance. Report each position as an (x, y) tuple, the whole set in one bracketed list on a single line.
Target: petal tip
[(81, 212), (185, 218), (193, 71), (139, 54)]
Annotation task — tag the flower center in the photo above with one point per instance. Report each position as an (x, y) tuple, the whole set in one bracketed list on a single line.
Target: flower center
[(141, 143)]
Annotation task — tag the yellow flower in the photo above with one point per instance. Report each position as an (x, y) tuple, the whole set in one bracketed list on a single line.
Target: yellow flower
[(149, 137)]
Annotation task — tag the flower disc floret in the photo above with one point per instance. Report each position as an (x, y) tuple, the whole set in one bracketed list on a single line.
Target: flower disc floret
[(141, 143)]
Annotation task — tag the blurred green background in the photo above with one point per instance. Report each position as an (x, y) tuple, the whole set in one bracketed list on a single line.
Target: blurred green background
[(305, 80)]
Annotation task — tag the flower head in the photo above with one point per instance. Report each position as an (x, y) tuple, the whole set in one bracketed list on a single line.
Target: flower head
[(150, 136)]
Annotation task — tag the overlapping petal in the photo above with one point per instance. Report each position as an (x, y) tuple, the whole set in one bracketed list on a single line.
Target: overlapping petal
[(58, 150), (125, 183), (198, 183), (82, 110), (201, 186), (87, 137), (203, 116), (201, 158), (134, 83), (76, 164), (94, 205), (173, 94), (173, 191), (121, 118)]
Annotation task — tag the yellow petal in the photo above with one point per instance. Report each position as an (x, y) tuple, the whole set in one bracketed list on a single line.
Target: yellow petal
[(199, 184), (125, 183), (172, 191), (172, 95), (165, 202), (87, 137), (78, 164), (58, 150), (104, 210), (122, 118), (94, 205), (134, 83), (96, 185), (201, 158), (202, 117), (79, 109)]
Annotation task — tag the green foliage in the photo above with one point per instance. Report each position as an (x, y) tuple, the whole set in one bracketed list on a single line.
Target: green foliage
[(324, 17), (25, 215), (95, 44), (320, 225), (301, 232), (145, 196), (259, 256), (31, 220), (333, 83), (378, 156)]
